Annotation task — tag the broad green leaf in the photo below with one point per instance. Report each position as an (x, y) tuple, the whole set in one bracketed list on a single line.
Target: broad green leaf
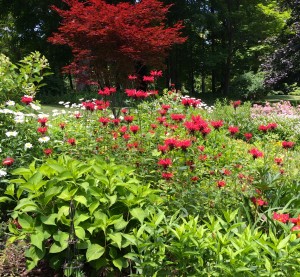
[(116, 238), (49, 219), (93, 207), (10, 190), (94, 252), (37, 240), (138, 213), (80, 232), (80, 218), (120, 263), (26, 221), (35, 255), (283, 242), (81, 199), (4, 199)]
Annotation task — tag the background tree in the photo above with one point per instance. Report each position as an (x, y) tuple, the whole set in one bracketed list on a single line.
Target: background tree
[(109, 41)]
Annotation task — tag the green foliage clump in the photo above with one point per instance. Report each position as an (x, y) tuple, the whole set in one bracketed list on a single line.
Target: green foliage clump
[(23, 78)]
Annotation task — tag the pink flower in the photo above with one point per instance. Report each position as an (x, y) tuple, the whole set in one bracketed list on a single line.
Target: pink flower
[(132, 77), (278, 161), (149, 79), (156, 73), (8, 161)]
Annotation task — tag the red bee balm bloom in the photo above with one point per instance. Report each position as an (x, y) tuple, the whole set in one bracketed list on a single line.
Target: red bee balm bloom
[(104, 120), (128, 118), (256, 153), (237, 103), (71, 141), (177, 117), (287, 144), (62, 125), (167, 175), (221, 183), (217, 124), (156, 73), (132, 77), (42, 130), (165, 163), (278, 161), (48, 151), (233, 130), (43, 121), (8, 161), (134, 128), (27, 100), (248, 136), (149, 79)]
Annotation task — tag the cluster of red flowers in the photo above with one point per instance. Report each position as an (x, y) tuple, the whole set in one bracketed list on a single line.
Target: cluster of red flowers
[(136, 94), (217, 124), (8, 161), (190, 102), (285, 218), (107, 91), (266, 128), (287, 144), (233, 130)]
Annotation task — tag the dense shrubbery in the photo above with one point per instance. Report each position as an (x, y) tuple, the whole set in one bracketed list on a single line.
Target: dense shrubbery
[(166, 183)]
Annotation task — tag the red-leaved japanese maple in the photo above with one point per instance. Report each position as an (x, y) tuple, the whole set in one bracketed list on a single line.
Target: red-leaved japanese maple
[(107, 40)]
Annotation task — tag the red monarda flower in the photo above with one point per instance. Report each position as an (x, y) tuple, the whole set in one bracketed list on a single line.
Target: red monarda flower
[(202, 157), (89, 106), (124, 111), (26, 99), (278, 161), (233, 130), (171, 142), (256, 153), (116, 121), (167, 175), (237, 103), (62, 125), (195, 178), (156, 73), (201, 148), (102, 105), (272, 126), (126, 136), (226, 171), (104, 120), (177, 117), (162, 112), (42, 130), (263, 128), (165, 107), (165, 163), (8, 161), (163, 148), (132, 77), (284, 218), (48, 151), (149, 79), (153, 126), (205, 131), (184, 144), (134, 128), (258, 201), (43, 121), (217, 124), (287, 144), (248, 136), (128, 118), (161, 120), (136, 94), (123, 129), (191, 126), (71, 141), (221, 183), (77, 115)]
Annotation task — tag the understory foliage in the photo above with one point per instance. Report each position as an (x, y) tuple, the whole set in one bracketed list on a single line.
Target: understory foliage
[(161, 186)]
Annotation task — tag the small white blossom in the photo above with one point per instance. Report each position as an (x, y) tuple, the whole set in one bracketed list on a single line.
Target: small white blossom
[(35, 107), (11, 133), (10, 103), (44, 139), (28, 145), (61, 102), (2, 173), (19, 119), (43, 115)]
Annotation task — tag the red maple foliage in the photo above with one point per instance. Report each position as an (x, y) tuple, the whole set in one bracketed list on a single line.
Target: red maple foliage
[(107, 39)]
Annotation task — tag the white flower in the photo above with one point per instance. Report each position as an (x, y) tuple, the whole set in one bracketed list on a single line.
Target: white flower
[(67, 106), (27, 145), (19, 119), (43, 115), (61, 102), (10, 103), (44, 139), (0, 150), (2, 173), (35, 107), (11, 133)]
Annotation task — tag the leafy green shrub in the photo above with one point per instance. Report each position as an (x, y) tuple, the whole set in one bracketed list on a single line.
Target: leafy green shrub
[(78, 213), (23, 78)]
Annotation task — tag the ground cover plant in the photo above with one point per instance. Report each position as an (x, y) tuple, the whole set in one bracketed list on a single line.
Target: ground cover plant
[(162, 185)]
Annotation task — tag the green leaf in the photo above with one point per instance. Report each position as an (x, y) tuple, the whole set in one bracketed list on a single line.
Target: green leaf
[(283, 243), (120, 263), (81, 199), (10, 190), (26, 203), (80, 232), (138, 213), (37, 240), (116, 238), (93, 207), (35, 255), (94, 252), (4, 199), (26, 221), (49, 220)]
